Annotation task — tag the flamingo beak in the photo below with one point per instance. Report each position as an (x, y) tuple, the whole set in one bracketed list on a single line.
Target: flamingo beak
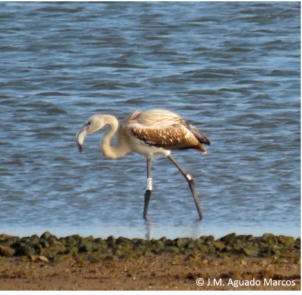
[(80, 137)]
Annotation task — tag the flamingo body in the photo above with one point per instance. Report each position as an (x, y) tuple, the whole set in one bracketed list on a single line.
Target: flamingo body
[(149, 133)]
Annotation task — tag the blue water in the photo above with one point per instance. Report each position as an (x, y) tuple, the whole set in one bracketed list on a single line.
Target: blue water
[(232, 69)]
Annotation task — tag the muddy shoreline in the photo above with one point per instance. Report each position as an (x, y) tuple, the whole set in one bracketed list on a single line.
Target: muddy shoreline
[(267, 262)]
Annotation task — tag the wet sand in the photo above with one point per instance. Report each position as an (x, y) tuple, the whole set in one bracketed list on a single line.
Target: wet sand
[(160, 273), (201, 264)]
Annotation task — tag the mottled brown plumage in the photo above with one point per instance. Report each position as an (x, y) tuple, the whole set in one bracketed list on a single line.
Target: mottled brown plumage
[(166, 130)]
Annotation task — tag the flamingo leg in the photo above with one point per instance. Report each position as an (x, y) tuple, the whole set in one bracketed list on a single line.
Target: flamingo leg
[(149, 187), (191, 183)]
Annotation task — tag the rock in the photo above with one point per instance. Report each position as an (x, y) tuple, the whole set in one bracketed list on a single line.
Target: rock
[(211, 249), (191, 244), (70, 249), (42, 258), (251, 250), (203, 248), (199, 243), (70, 240), (52, 239), (250, 238), (285, 240), (139, 242), (5, 236), (37, 247), (76, 248), (269, 239), (110, 241), (58, 247), (181, 242), (98, 241), (95, 258), (25, 251), (10, 240), (228, 239), (46, 235), (298, 243), (44, 243), (219, 245), (86, 247), (157, 245), (209, 239), (63, 241), (122, 240), (163, 239), (266, 252), (6, 251), (76, 238), (34, 239), (169, 242), (25, 240), (240, 239), (171, 249)]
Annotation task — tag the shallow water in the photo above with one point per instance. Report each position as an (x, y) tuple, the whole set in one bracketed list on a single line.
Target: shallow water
[(230, 69)]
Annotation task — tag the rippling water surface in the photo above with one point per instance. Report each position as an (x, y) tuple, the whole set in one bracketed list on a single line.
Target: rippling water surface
[(230, 69)]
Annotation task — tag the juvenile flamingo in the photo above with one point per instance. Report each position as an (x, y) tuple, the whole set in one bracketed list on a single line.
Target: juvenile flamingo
[(149, 133)]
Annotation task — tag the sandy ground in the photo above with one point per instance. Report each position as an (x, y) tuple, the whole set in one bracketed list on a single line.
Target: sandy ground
[(151, 273)]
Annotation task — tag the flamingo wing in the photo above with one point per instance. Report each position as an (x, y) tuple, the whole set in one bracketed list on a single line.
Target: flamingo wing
[(166, 130)]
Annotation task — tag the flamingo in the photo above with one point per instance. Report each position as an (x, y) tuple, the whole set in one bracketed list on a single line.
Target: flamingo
[(149, 133)]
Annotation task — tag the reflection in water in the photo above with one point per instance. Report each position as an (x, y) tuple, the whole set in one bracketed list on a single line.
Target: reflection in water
[(149, 228)]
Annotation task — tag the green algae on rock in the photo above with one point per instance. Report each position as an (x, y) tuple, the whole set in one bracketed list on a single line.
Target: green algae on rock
[(90, 249)]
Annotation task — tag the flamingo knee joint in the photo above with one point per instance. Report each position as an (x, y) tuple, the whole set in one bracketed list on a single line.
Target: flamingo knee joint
[(189, 177)]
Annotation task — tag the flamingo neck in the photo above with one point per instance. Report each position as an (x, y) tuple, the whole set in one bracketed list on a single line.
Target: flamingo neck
[(112, 152)]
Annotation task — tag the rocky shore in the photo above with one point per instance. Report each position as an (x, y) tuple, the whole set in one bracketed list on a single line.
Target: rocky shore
[(87, 263)]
